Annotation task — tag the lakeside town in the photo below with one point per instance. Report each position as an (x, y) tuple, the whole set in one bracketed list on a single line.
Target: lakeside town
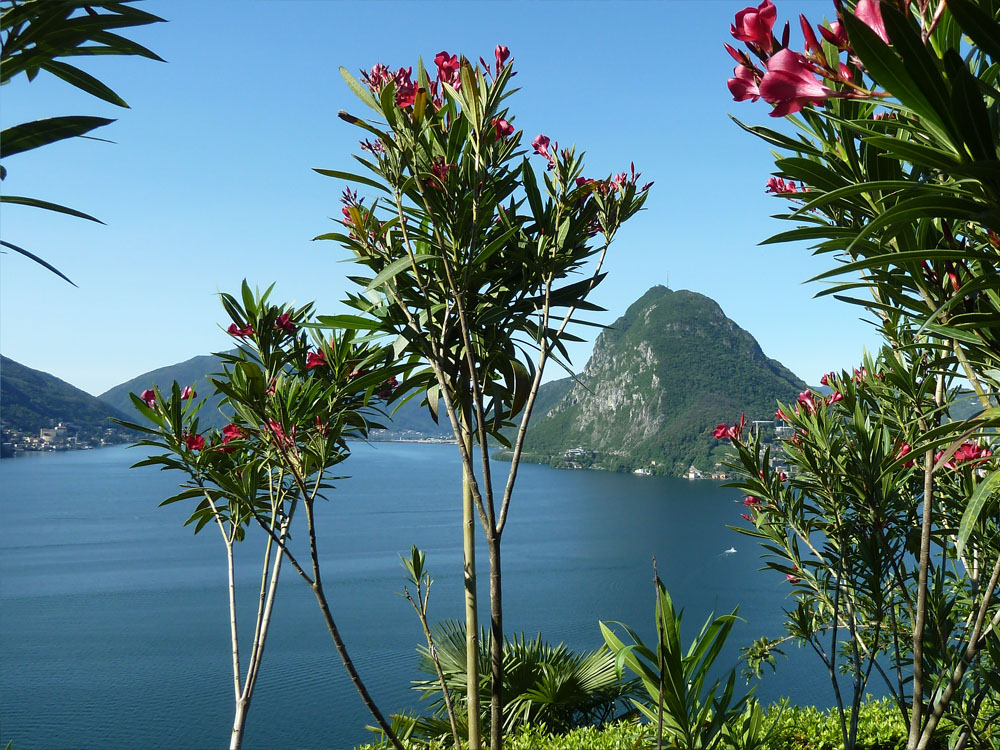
[(63, 436)]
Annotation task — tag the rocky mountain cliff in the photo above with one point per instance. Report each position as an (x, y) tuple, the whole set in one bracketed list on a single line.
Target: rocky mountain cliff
[(659, 380)]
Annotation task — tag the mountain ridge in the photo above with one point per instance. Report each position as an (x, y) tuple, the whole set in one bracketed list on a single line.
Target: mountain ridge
[(659, 379)]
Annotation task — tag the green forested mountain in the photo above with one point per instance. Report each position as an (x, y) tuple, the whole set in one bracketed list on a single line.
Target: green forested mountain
[(659, 380), (32, 399)]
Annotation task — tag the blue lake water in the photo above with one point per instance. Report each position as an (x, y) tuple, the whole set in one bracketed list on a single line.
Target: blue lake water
[(114, 629)]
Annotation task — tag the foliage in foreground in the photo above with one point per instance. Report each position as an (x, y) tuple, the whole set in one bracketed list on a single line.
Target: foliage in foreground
[(792, 728), (544, 685)]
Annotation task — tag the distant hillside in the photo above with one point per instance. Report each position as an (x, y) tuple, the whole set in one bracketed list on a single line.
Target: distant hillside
[(32, 399), (194, 372), (659, 380)]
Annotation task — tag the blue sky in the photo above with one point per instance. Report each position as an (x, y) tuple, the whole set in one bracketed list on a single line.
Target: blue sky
[(210, 178)]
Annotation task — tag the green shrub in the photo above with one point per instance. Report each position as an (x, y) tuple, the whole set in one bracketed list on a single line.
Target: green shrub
[(623, 735), (880, 727)]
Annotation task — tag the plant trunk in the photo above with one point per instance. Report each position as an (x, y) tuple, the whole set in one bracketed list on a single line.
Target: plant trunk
[(496, 645), (331, 626), (239, 723), (471, 617)]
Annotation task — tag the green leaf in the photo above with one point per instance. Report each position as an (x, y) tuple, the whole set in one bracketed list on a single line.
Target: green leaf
[(29, 135), (359, 89), (531, 190), (887, 69), (917, 61), (348, 177), (35, 202), (37, 260), (980, 26), (396, 267), (969, 110), (974, 509), (83, 81)]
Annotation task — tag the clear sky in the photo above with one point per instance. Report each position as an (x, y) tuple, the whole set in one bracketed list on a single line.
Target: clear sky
[(210, 178)]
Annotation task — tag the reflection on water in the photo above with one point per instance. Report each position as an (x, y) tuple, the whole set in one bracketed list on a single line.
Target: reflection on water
[(113, 616)]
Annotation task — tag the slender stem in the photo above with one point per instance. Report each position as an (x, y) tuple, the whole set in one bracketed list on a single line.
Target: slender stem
[(471, 597), (421, 611), (496, 644), (916, 714), (970, 652), (660, 657)]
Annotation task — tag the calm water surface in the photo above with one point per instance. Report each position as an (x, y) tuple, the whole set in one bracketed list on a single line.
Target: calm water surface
[(114, 629)]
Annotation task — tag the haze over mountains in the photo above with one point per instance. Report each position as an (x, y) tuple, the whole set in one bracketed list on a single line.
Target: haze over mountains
[(660, 378)]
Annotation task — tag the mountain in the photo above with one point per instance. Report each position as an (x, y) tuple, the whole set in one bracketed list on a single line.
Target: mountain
[(32, 399), (659, 380), (193, 372)]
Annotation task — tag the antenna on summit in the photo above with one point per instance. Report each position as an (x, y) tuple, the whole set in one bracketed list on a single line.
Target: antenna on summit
[(668, 279)]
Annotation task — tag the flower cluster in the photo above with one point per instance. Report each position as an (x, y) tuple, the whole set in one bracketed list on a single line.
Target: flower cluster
[(777, 186), (966, 453), (735, 432), (791, 80), (449, 71)]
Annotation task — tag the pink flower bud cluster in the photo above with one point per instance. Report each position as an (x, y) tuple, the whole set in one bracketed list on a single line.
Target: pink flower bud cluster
[(778, 186), (791, 80)]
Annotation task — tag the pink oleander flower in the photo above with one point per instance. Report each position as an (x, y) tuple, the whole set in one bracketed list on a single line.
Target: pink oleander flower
[(373, 148), (743, 84), (752, 502), (904, 450), (194, 442), (777, 185), (284, 323), (149, 396), (792, 579), (735, 432), (235, 330), (449, 68), (835, 35), (377, 77), (870, 11), (828, 378), (746, 517), (280, 437), (502, 127), (440, 169), (187, 393), (812, 44), (388, 386), (968, 452), (753, 25), (541, 146), (231, 432), (780, 414), (502, 53), (806, 399), (835, 397), (315, 359), (406, 89), (782, 476), (790, 84)]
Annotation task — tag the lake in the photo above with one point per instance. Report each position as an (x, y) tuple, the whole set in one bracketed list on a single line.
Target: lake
[(114, 629)]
